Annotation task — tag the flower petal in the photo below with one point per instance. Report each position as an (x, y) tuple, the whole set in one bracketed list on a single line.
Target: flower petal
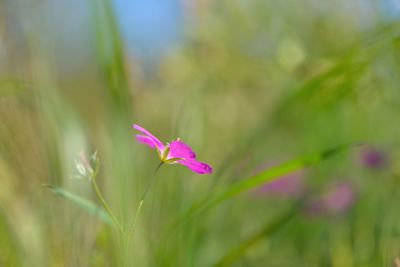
[(155, 140), (179, 149), (146, 140), (197, 166)]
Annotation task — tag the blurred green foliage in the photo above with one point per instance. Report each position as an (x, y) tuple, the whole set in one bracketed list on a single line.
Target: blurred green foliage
[(256, 83)]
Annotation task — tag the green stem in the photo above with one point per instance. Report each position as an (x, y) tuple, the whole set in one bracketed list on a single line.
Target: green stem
[(158, 166), (132, 229), (133, 226), (103, 201)]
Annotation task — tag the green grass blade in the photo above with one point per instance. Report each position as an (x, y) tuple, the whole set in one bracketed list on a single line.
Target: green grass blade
[(11, 251), (263, 177), (110, 55), (270, 227), (85, 204)]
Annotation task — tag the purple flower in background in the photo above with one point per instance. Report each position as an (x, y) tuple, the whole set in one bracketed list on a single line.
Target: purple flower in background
[(338, 199), (372, 158), (290, 185), (174, 152)]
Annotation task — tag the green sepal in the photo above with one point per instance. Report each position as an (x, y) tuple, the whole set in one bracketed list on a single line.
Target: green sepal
[(165, 154), (172, 160)]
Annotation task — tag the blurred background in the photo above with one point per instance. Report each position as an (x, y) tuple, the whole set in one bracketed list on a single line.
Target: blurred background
[(248, 84)]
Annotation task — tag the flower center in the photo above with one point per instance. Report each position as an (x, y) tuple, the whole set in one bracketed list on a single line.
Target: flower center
[(164, 156)]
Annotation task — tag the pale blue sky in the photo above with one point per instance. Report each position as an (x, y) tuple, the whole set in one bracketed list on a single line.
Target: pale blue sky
[(151, 27)]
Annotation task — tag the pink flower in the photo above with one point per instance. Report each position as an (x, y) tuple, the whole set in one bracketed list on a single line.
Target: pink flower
[(373, 158), (289, 185), (338, 199), (175, 152)]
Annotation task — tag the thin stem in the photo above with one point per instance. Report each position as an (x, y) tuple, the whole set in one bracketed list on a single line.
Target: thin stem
[(125, 240), (158, 166), (103, 201), (132, 229), (133, 226), (151, 181)]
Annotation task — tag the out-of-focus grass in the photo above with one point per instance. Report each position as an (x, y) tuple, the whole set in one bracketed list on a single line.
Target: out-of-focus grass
[(256, 83)]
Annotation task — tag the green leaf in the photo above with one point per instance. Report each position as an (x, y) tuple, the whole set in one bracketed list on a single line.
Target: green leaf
[(263, 177), (85, 204), (11, 251)]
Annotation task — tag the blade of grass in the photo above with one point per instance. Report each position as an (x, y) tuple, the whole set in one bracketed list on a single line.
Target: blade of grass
[(85, 204), (304, 93), (354, 59), (263, 177), (11, 253), (110, 55), (270, 227)]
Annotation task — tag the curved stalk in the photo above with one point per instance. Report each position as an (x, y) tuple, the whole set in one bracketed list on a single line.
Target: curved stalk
[(133, 226), (103, 201)]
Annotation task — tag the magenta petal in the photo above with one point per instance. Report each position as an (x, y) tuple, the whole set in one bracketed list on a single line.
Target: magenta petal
[(339, 198), (179, 149), (155, 140), (146, 140), (196, 166)]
